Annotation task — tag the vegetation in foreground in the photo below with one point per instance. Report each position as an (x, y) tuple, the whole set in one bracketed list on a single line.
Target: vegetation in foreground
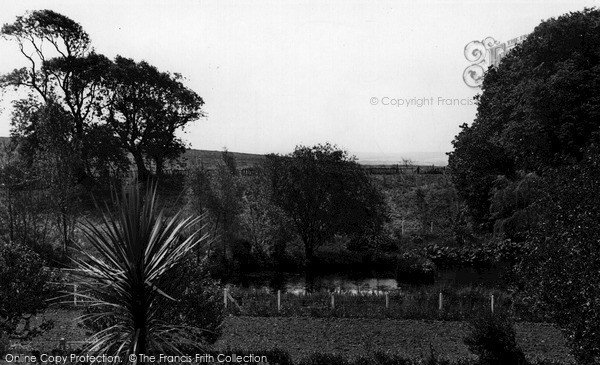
[(351, 338), (140, 300)]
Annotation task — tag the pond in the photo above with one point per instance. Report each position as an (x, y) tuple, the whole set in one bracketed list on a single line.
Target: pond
[(353, 284)]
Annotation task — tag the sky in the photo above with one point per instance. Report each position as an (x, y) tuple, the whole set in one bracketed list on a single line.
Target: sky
[(381, 79)]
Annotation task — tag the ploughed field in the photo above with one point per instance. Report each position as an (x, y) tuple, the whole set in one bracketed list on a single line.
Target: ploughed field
[(350, 337)]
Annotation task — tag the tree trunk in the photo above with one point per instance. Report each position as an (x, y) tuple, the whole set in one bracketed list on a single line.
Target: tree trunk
[(159, 162), (11, 218), (309, 265), (65, 233), (80, 168), (142, 171)]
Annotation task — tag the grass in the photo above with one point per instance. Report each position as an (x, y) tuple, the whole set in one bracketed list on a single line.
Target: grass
[(348, 337), (352, 338)]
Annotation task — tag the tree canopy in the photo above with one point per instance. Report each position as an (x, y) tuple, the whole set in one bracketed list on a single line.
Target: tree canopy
[(528, 166), (539, 109), (114, 107), (325, 193), (145, 108)]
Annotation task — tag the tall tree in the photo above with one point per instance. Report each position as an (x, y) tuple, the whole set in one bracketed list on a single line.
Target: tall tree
[(219, 193), (32, 32), (537, 126), (325, 192), (145, 108), (539, 109), (63, 69)]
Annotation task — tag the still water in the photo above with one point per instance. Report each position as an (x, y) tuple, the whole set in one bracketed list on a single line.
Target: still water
[(341, 283)]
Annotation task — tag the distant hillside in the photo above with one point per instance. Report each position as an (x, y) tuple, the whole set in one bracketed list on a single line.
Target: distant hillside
[(417, 158), (209, 159)]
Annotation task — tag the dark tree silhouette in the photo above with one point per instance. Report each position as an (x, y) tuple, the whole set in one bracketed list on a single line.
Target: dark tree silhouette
[(531, 156), (145, 108), (325, 192), (62, 69), (539, 109)]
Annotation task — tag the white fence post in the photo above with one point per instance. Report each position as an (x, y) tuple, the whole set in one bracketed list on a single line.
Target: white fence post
[(387, 300), (492, 304), (332, 301), (225, 297), (440, 302), (278, 300)]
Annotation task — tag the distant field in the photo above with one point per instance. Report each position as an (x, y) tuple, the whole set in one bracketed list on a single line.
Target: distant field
[(210, 159), (378, 163)]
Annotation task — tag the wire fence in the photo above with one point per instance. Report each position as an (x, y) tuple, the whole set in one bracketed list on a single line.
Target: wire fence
[(448, 304)]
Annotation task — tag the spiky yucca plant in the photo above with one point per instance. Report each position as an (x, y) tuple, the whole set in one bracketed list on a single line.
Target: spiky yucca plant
[(127, 280)]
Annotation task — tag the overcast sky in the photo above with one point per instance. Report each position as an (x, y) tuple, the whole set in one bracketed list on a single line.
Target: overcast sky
[(275, 74)]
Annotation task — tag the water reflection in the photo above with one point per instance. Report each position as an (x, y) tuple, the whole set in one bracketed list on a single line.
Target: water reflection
[(336, 283), (356, 285)]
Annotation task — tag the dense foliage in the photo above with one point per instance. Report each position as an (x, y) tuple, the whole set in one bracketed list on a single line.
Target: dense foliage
[(324, 192), (145, 108), (493, 340), (488, 253), (111, 108), (200, 300), (562, 261), (528, 169), (251, 233), (24, 285), (538, 110)]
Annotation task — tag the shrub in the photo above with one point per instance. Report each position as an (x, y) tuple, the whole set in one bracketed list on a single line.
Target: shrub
[(493, 340), (24, 284), (131, 279), (466, 256), (412, 268), (4, 344), (200, 303)]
